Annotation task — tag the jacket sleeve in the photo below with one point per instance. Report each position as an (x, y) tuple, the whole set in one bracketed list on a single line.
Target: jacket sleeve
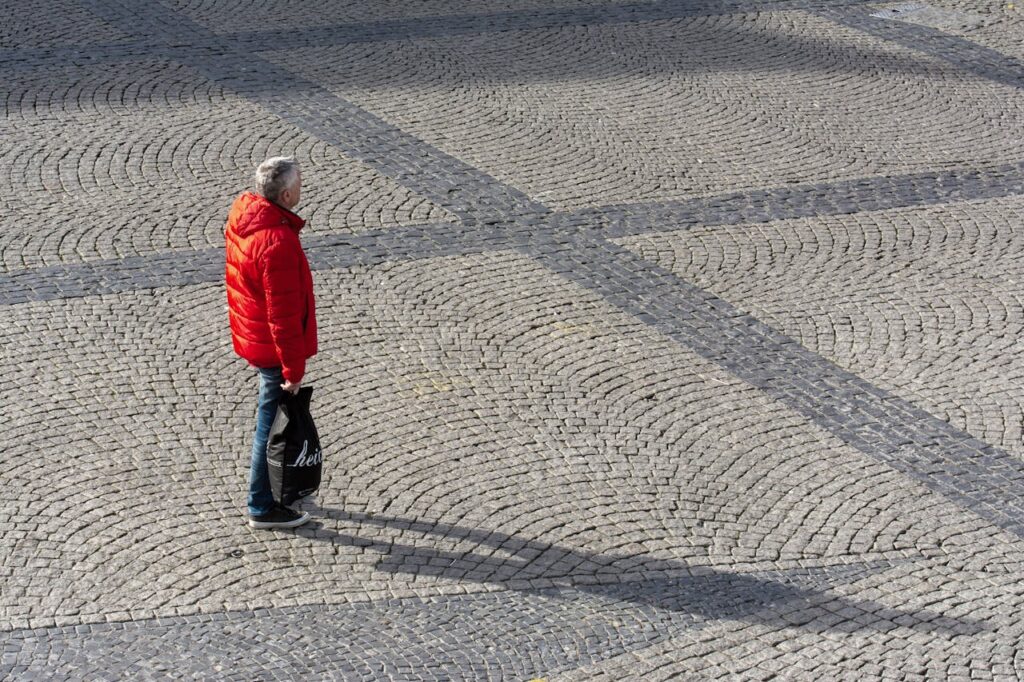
[(286, 305)]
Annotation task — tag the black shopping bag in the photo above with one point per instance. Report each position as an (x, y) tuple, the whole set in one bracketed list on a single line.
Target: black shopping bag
[(294, 458)]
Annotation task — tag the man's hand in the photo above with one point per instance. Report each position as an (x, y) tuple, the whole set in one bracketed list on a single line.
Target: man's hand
[(290, 387)]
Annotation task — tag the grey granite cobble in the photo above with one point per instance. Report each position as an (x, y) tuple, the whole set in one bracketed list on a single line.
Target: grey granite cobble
[(166, 37), (457, 187), (982, 478), (429, 241), (483, 443), (518, 634), (981, 61), (552, 454)]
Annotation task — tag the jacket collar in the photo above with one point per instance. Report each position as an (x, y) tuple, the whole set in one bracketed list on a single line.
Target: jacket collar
[(293, 220), (256, 212)]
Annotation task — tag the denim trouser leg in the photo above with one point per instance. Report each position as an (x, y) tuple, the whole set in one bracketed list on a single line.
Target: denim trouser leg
[(261, 500)]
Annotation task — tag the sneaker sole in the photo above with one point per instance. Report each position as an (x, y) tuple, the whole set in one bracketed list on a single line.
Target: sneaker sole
[(263, 525)]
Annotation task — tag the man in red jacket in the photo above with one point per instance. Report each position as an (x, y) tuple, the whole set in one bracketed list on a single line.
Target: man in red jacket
[(270, 307)]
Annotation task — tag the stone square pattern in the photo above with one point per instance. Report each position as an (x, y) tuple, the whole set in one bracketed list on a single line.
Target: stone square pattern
[(295, 15), (742, 101), (175, 148), (930, 306), (479, 442), (659, 340), (55, 24), (996, 25)]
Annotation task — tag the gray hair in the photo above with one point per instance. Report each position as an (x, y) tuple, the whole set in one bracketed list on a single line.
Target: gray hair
[(275, 175)]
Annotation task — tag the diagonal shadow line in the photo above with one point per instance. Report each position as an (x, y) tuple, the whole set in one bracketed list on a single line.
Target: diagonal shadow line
[(452, 184), (858, 413), (501, 633), (967, 471), (467, 192), (339, 251), (965, 54), (784, 597), (185, 40), (444, 26), (208, 43), (463, 190)]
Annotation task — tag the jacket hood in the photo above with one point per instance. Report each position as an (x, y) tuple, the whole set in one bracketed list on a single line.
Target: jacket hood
[(252, 213)]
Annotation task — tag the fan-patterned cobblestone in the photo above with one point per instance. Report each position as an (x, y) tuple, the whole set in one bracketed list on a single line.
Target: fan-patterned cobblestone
[(658, 340)]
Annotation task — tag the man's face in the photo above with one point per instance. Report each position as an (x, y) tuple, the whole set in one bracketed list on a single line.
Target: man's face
[(290, 197)]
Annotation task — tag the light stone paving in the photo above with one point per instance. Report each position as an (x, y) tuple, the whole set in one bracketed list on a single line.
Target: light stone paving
[(237, 15), (671, 109), (930, 307), (103, 156), (658, 341), (1000, 31), (58, 24)]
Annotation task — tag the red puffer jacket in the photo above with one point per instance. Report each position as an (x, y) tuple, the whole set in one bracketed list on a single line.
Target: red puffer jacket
[(270, 287)]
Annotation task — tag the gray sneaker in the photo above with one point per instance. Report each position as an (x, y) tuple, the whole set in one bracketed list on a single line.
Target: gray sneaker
[(279, 517)]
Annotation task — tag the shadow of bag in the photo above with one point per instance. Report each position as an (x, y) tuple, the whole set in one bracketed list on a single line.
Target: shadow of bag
[(294, 458)]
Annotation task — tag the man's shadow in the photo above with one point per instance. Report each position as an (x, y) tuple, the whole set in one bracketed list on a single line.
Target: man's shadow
[(800, 597)]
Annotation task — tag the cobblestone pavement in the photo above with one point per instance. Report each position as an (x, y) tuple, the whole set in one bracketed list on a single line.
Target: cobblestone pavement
[(660, 340)]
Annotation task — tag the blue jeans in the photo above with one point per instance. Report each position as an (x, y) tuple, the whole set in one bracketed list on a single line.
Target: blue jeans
[(261, 500)]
